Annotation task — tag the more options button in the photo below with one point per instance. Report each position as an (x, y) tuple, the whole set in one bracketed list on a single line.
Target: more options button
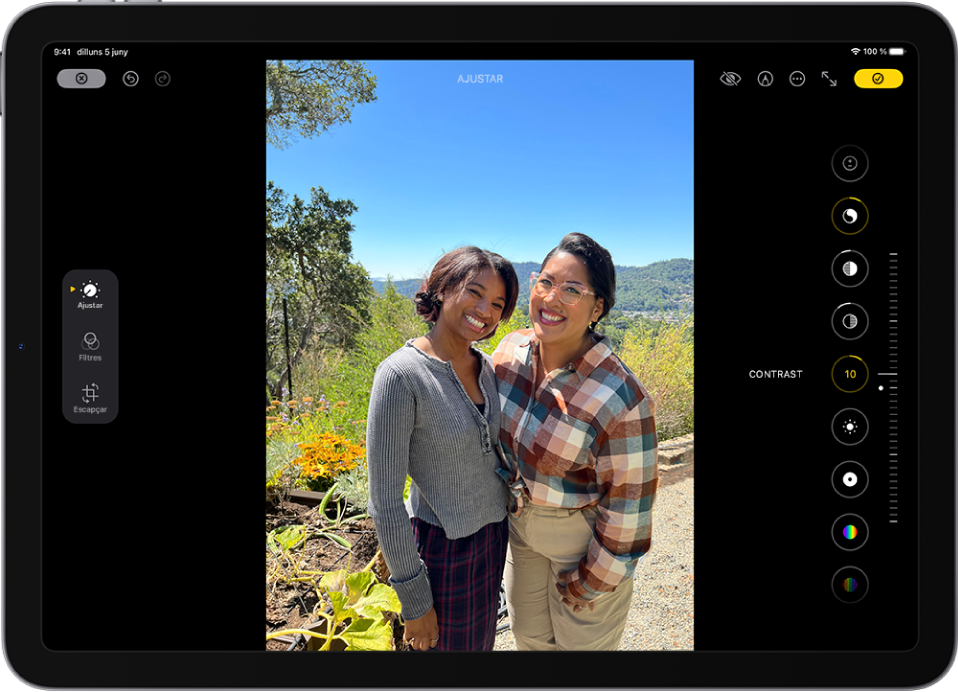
[(81, 79)]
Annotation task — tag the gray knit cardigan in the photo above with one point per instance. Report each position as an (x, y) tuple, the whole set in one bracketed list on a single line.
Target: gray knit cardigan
[(422, 423)]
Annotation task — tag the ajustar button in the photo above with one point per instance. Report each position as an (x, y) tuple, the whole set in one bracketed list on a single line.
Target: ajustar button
[(879, 79)]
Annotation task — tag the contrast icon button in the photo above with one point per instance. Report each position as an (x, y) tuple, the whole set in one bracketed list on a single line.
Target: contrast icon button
[(849, 584), (850, 374), (850, 321), (849, 216), (879, 79), (849, 532), (850, 426), (850, 163), (131, 78), (850, 268), (849, 479)]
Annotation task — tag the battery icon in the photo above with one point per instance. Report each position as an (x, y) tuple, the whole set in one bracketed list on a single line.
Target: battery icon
[(896, 51)]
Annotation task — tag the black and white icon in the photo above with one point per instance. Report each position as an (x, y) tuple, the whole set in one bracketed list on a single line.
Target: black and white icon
[(81, 78), (796, 79), (765, 78), (162, 78), (850, 321), (850, 426), (849, 479), (850, 163), (131, 78), (850, 268), (90, 342), (90, 393)]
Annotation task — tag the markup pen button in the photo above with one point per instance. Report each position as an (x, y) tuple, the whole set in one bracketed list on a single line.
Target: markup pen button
[(879, 79)]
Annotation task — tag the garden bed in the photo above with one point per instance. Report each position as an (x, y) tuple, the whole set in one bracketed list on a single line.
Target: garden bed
[(290, 605)]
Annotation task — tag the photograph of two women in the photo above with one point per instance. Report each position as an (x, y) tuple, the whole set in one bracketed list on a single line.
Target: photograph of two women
[(479, 355)]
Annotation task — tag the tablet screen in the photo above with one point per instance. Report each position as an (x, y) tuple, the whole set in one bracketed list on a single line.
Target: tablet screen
[(779, 178)]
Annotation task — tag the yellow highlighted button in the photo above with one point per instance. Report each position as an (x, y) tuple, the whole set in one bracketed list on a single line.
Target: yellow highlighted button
[(879, 79)]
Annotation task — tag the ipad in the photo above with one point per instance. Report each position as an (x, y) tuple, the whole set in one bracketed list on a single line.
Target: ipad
[(797, 160)]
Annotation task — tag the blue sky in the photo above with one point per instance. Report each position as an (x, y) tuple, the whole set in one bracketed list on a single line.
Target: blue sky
[(603, 148)]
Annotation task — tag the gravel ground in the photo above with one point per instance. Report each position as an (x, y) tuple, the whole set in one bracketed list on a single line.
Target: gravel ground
[(661, 613)]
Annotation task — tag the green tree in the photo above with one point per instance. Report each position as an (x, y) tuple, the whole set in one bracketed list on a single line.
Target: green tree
[(308, 262), (306, 98)]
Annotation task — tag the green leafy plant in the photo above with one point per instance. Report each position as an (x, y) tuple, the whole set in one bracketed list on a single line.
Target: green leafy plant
[(354, 608)]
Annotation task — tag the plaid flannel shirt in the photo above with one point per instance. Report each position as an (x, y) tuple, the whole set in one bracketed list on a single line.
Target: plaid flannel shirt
[(586, 438)]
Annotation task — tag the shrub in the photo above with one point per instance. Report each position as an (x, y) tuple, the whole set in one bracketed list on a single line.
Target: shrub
[(662, 356)]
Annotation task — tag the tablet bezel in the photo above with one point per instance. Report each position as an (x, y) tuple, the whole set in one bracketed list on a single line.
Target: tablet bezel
[(287, 23)]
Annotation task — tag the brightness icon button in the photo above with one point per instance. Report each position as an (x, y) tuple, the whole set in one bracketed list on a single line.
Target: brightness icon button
[(850, 426)]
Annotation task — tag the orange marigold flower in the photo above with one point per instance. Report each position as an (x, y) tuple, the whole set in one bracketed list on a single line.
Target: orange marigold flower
[(293, 403)]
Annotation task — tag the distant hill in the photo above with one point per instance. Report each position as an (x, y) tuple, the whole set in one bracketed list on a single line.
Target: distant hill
[(667, 285)]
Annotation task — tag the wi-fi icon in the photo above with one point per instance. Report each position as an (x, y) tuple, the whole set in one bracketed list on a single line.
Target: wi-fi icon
[(856, 51)]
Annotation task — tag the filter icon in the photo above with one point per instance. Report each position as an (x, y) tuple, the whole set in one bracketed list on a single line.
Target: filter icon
[(849, 585)]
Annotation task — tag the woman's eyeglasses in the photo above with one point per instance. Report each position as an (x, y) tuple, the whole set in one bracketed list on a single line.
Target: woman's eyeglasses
[(569, 293)]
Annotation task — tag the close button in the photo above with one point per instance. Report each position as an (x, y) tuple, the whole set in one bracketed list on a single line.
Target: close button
[(879, 79), (81, 79)]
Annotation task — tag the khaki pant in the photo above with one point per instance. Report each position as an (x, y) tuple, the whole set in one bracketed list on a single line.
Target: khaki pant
[(544, 541)]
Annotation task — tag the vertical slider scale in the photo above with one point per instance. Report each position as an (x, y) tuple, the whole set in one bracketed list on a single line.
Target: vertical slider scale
[(90, 346)]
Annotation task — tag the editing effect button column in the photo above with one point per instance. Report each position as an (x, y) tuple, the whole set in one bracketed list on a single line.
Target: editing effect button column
[(90, 346)]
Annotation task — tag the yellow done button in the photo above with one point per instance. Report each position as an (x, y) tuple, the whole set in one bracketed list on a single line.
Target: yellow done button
[(879, 79)]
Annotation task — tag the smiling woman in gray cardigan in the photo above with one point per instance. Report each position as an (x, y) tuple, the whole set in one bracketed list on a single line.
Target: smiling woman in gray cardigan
[(434, 416)]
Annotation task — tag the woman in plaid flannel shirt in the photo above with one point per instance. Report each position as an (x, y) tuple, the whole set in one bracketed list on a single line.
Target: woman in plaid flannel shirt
[(577, 436)]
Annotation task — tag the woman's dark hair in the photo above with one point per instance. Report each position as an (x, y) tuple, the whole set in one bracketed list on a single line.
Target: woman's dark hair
[(455, 269), (598, 262)]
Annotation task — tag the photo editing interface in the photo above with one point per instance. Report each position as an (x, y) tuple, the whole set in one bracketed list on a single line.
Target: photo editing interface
[(797, 166)]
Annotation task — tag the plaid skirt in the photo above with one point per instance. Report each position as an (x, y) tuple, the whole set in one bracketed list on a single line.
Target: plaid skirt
[(465, 575)]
